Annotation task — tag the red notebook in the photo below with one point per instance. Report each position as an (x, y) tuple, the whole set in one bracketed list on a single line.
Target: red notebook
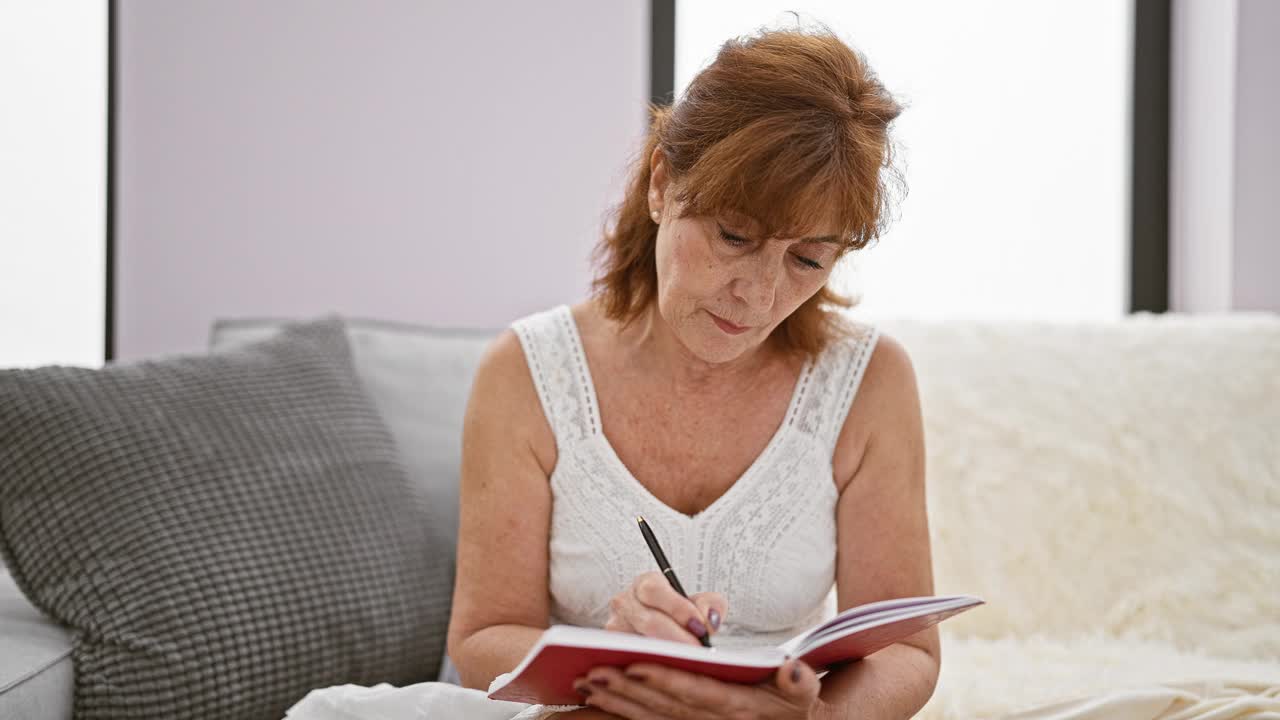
[(566, 652)]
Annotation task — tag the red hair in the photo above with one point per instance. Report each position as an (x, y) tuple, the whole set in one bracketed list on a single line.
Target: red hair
[(784, 127)]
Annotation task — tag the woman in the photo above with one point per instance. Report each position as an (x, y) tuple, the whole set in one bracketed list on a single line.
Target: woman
[(711, 385)]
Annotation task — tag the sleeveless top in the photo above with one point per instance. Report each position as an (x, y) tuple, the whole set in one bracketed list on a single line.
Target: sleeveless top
[(768, 544)]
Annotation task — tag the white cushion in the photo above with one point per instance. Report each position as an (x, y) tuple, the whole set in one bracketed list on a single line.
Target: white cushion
[(36, 674)]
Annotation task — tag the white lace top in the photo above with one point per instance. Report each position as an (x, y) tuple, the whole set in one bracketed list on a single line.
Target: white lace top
[(768, 544)]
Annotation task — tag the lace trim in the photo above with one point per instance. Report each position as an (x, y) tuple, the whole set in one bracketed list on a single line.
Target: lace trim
[(584, 385), (845, 369), (556, 377)]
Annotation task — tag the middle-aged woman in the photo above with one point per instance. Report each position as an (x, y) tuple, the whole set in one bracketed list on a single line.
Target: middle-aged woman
[(712, 385)]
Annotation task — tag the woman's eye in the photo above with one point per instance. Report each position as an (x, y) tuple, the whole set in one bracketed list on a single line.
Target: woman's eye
[(738, 242), (732, 240), (808, 263)]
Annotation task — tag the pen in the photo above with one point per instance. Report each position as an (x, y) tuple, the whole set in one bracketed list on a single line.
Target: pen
[(665, 567)]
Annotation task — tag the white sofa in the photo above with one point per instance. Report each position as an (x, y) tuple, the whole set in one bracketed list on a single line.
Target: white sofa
[(1111, 490)]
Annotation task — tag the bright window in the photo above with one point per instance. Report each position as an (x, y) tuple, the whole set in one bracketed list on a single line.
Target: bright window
[(53, 141), (1014, 144)]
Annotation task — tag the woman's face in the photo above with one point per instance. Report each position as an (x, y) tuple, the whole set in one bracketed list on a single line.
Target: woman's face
[(722, 288)]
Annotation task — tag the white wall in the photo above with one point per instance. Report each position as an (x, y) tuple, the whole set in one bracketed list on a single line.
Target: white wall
[(1224, 156), (438, 163), (53, 117)]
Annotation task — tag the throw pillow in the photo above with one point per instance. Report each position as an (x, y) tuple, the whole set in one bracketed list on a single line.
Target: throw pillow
[(223, 532)]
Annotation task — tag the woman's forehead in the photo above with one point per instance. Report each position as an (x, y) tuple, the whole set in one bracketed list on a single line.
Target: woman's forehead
[(822, 228)]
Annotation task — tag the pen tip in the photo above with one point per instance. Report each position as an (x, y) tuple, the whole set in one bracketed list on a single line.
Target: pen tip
[(639, 518)]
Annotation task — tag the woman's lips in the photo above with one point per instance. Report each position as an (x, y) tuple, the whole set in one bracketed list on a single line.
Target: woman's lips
[(727, 326)]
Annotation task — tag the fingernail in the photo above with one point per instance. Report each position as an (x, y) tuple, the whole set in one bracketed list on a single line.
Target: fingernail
[(697, 628), (714, 617), (638, 677), (601, 682), (583, 690), (795, 673)]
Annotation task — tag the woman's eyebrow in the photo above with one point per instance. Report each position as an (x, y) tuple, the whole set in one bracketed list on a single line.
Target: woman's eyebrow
[(832, 239)]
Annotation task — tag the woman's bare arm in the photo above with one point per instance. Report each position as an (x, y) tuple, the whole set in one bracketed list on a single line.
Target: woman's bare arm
[(883, 541), (500, 598)]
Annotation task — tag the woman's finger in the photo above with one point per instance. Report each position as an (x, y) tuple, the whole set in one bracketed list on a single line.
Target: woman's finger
[(713, 606), (694, 692), (653, 698), (654, 591), (606, 697), (644, 620), (617, 623), (798, 683)]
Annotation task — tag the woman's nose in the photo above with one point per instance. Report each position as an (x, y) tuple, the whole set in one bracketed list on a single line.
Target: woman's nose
[(758, 284)]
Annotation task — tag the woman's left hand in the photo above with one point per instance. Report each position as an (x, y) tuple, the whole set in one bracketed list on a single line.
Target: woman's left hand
[(646, 691)]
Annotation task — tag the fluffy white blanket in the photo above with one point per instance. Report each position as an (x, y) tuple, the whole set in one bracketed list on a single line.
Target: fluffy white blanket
[(1097, 678), (1208, 700), (1112, 490)]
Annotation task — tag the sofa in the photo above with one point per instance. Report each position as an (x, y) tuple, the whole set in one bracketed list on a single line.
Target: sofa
[(1112, 490)]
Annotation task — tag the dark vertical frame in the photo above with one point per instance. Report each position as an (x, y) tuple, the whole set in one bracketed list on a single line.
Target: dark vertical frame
[(109, 349), (1149, 176), (662, 51)]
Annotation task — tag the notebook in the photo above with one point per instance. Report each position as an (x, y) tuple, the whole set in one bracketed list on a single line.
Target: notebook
[(565, 652)]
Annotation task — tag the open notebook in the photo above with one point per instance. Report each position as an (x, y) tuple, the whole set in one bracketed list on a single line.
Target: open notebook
[(566, 652)]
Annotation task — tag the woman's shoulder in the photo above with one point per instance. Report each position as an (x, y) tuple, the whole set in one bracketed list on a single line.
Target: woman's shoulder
[(503, 392), (505, 362), (553, 325), (870, 352), (885, 396), (884, 373), (889, 365), (505, 372)]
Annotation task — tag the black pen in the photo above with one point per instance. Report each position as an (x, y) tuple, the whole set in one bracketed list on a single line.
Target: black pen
[(665, 567)]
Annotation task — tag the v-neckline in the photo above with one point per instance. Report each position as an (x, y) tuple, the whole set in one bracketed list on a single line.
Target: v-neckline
[(797, 392)]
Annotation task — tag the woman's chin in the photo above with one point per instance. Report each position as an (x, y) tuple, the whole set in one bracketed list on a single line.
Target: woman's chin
[(718, 347), (707, 341)]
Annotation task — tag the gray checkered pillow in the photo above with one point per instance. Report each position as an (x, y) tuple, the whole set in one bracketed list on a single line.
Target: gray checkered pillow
[(224, 532)]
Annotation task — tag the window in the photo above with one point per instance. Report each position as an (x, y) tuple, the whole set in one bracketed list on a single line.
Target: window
[(1014, 145), (53, 138)]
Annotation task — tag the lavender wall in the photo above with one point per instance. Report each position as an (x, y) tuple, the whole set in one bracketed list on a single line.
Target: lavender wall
[(1225, 156), (1257, 168), (438, 163)]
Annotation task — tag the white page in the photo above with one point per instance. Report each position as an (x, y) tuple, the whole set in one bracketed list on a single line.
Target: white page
[(827, 633)]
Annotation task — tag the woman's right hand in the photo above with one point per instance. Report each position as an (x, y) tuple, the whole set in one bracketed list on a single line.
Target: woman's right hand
[(651, 607)]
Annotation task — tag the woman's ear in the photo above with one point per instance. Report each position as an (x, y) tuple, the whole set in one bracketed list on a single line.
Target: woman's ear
[(658, 179)]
